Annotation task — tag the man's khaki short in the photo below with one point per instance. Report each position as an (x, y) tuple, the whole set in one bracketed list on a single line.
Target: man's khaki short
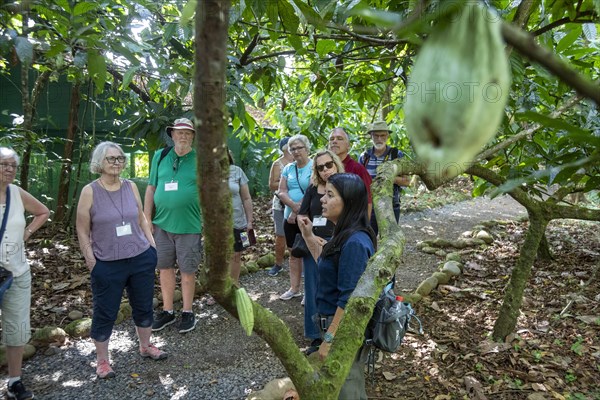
[(183, 249)]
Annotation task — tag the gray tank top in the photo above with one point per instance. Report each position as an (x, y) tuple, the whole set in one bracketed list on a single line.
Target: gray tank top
[(109, 211)]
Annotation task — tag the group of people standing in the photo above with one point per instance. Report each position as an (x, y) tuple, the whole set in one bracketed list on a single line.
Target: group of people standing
[(326, 199), (123, 241)]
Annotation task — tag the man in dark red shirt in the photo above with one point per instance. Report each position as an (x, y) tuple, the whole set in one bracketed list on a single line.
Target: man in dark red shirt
[(339, 143)]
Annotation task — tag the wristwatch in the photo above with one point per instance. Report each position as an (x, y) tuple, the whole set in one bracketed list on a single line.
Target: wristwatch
[(328, 337)]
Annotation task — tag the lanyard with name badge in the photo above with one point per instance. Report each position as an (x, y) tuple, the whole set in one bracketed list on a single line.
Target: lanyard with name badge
[(125, 228), (173, 186)]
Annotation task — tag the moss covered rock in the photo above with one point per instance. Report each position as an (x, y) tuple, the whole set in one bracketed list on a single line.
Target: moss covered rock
[(442, 277), (79, 328), (413, 298), (252, 267), (120, 318), (429, 250), (485, 236), (452, 267), (427, 286), (48, 334), (125, 309), (454, 256), (266, 261)]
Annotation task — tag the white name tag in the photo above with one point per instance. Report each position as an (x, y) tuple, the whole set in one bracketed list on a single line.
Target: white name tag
[(170, 186), (319, 221), (124, 230)]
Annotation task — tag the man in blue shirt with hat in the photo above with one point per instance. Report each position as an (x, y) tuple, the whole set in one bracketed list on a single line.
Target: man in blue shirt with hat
[(377, 155)]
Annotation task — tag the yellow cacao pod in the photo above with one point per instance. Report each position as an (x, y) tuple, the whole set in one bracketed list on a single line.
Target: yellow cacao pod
[(457, 91), (245, 310)]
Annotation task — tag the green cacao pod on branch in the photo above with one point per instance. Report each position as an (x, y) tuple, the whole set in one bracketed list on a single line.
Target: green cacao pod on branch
[(245, 310), (457, 91)]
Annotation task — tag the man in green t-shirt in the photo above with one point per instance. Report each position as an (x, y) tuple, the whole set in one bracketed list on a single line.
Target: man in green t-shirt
[(172, 195)]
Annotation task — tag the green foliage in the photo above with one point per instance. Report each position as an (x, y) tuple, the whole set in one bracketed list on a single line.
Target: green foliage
[(311, 66)]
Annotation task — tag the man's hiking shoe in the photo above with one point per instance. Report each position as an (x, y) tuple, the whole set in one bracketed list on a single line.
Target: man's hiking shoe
[(164, 318), (18, 391), (275, 269), (188, 322), (153, 352), (103, 370)]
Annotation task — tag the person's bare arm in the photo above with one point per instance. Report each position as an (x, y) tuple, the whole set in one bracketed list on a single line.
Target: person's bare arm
[(149, 203), (247, 202), (142, 220), (83, 225), (34, 207), (275, 176), (337, 318)]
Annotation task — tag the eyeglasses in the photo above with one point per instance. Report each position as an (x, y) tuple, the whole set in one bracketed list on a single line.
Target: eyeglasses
[(293, 149), (9, 165), (328, 165), (113, 160)]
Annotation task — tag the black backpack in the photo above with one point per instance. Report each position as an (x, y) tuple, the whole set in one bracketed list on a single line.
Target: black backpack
[(389, 321), (388, 325)]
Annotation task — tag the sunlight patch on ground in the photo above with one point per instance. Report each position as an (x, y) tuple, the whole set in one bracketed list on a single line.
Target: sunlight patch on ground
[(75, 383), (169, 385)]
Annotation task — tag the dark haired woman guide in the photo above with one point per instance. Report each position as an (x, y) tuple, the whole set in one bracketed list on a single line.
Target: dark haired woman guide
[(341, 262)]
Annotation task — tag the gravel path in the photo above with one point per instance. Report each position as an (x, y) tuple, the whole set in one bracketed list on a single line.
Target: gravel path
[(217, 361)]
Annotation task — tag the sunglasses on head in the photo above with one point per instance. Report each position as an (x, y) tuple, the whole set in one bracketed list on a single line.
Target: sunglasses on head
[(328, 165)]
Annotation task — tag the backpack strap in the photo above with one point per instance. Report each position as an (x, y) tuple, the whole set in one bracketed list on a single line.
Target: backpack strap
[(163, 154), (365, 157)]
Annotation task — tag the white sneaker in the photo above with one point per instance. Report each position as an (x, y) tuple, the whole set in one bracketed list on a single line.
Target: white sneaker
[(289, 295)]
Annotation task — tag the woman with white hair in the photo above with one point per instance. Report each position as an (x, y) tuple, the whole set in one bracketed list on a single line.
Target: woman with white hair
[(295, 179), (14, 232), (116, 241)]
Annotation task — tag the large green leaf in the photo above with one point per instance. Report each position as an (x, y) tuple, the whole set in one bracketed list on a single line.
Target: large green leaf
[(187, 14), (273, 12), (97, 70), (568, 40), (311, 16), (549, 122), (288, 16), (128, 76), (84, 7), (324, 46)]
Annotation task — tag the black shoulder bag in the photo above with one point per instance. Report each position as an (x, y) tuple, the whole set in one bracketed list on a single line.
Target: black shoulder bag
[(6, 276), (299, 248)]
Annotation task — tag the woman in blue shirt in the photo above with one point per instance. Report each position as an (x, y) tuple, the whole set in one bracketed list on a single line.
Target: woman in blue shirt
[(341, 262), (295, 179)]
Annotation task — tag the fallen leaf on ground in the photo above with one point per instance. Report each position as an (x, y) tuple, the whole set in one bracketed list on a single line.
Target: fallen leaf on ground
[(389, 376)]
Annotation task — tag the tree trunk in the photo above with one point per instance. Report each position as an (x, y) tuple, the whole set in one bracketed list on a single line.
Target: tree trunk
[(513, 298), (67, 159), (213, 166), (27, 122), (544, 253)]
